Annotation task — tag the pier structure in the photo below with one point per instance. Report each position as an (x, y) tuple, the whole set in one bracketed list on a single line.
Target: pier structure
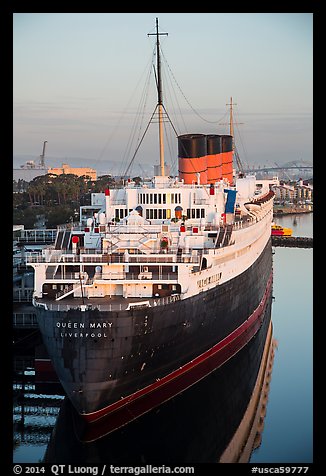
[(292, 241)]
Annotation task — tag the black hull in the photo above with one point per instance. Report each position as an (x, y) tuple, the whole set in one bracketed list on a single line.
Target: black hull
[(140, 347), (194, 427)]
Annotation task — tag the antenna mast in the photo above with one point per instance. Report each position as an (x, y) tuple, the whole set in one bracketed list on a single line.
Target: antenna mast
[(159, 95), (231, 104), (235, 152)]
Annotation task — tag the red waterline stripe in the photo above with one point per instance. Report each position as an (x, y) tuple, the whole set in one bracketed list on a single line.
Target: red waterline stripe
[(126, 414), (209, 354)]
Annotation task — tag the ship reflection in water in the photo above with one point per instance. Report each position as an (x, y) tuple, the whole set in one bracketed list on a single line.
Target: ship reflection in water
[(220, 419)]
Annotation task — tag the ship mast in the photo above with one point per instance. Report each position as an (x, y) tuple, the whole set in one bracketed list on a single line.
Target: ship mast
[(231, 104), (159, 96), (235, 152)]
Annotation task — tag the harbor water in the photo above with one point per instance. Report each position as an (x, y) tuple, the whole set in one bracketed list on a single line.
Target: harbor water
[(287, 433)]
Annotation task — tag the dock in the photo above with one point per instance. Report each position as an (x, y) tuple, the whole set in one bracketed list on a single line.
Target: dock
[(292, 241)]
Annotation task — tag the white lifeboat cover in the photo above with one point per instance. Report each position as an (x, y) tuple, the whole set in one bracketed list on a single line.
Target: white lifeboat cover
[(134, 218)]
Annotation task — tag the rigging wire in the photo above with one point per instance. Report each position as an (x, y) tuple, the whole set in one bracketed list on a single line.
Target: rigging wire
[(123, 114), (151, 120), (168, 135), (172, 101), (124, 111), (187, 101), (137, 148), (170, 81), (241, 142), (138, 123)]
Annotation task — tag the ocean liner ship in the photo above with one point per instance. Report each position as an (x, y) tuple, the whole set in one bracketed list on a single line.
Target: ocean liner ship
[(163, 283), (220, 419)]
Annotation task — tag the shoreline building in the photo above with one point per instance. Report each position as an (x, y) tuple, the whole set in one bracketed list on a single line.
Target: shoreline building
[(293, 193), (29, 171), (79, 171)]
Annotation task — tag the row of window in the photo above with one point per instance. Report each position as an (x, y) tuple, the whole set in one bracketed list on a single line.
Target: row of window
[(158, 214), (167, 286), (162, 213), (122, 212), (159, 198), (195, 212)]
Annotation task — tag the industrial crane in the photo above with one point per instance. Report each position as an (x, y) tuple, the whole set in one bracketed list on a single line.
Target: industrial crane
[(42, 163)]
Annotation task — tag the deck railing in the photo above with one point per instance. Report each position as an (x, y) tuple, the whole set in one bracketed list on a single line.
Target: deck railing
[(88, 255), (22, 295), (114, 306), (171, 257), (74, 277), (45, 235), (24, 320)]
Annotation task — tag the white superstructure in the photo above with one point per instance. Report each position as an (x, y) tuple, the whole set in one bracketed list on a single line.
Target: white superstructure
[(161, 240)]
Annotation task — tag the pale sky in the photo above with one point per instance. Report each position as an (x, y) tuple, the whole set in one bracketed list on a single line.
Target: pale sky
[(79, 78)]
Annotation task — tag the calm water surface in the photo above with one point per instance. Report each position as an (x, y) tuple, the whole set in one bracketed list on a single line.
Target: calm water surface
[(301, 224), (288, 430), (287, 434)]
